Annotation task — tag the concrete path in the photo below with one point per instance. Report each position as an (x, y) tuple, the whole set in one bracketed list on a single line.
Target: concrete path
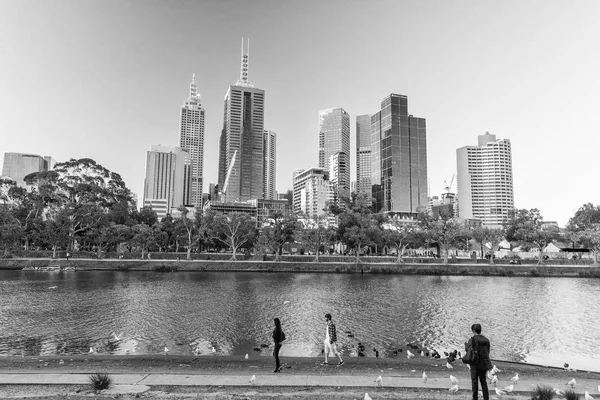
[(282, 379)]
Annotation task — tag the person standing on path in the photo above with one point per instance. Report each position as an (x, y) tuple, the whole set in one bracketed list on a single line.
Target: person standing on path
[(278, 338), (479, 369), (330, 341)]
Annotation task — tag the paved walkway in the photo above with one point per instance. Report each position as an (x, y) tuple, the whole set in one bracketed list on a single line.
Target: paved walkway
[(283, 379)]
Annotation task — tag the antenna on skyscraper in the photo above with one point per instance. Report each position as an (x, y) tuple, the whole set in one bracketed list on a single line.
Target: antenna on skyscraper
[(244, 67)]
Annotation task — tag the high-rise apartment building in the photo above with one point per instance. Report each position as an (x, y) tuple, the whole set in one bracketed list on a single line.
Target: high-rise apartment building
[(313, 193), (18, 165), (241, 155), (398, 158), (191, 139), (339, 174), (485, 180), (363, 154), (334, 138), (269, 173), (168, 179)]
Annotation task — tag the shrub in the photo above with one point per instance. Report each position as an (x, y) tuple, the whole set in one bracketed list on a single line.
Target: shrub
[(501, 271), (571, 395), (534, 272), (100, 381), (542, 392), (165, 268), (486, 272), (510, 272)]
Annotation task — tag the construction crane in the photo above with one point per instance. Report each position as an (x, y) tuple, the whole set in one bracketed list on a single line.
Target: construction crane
[(448, 187), (223, 191)]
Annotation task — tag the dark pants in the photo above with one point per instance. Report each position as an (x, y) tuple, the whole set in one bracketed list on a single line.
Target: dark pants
[(479, 374), (276, 355)]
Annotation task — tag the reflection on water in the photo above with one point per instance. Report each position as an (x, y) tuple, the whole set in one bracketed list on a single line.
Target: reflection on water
[(537, 320)]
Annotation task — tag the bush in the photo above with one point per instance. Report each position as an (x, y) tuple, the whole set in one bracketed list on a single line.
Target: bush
[(100, 381), (534, 272), (165, 268), (542, 392), (571, 395)]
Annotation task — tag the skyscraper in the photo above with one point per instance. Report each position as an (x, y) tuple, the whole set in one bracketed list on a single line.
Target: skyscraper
[(398, 158), (485, 180), (313, 193), (168, 179), (19, 165), (363, 154), (334, 138), (241, 145), (191, 139), (269, 174)]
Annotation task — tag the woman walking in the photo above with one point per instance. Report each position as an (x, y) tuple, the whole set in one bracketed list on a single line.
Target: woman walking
[(278, 338)]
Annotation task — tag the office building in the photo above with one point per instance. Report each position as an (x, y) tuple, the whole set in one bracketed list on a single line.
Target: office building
[(168, 179), (334, 139), (269, 168), (191, 139), (18, 165), (339, 174), (398, 158), (241, 155), (485, 180), (363, 154), (313, 193)]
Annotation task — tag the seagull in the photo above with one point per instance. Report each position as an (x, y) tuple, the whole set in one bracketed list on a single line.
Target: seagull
[(367, 397), (587, 396), (509, 388), (494, 380), (378, 381), (453, 389), (495, 370), (571, 383), (448, 365), (559, 392), (500, 392), (166, 350), (409, 354), (286, 302), (424, 377), (53, 287), (453, 380), (598, 388), (246, 356), (253, 380), (515, 378)]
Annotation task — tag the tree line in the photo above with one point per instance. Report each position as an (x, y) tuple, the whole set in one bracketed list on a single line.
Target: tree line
[(80, 205)]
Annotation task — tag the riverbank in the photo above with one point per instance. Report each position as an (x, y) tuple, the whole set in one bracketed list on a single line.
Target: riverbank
[(227, 377), (310, 267)]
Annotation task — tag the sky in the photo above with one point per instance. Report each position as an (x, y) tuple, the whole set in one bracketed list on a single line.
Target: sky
[(106, 80)]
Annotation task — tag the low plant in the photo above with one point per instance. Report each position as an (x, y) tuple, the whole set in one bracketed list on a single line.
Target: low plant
[(534, 272), (542, 392), (100, 381), (571, 395)]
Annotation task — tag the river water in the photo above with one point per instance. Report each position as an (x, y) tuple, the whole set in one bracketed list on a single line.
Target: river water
[(548, 321)]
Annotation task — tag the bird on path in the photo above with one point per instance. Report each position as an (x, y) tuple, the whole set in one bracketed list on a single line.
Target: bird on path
[(495, 370), (598, 388), (367, 397), (500, 392), (587, 396), (515, 378), (571, 383), (453, 380), (509, 388), (494, 380), (453, 389), (378, 381), (448, 365), (53, 287), (246, 356), (424, 377), (559, 392), (409, 354), (253, 380)]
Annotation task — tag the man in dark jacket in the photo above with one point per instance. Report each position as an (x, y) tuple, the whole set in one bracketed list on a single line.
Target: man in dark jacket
[(479, 369)]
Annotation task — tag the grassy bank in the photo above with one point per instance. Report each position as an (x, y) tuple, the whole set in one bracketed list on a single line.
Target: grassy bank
[(329, 267)]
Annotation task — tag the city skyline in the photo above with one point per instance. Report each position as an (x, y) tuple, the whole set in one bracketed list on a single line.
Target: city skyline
[(110, 95)]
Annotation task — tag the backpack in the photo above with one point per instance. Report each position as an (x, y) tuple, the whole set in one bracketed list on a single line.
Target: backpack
[(471, 356)]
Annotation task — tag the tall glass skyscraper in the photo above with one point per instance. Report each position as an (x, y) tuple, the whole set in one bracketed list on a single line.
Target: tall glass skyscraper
[(191, 139), (241, 153), (398, 158), (363, 154), (334, 140), (485, 180), (269, 173)]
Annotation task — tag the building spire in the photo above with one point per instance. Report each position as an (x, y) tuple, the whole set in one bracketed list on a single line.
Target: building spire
[(193, 87), (244, 65)]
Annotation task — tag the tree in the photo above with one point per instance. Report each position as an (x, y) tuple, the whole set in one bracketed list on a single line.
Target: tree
[(526, 228), (278, 233), (587, 216), (486, 235), (234, 230), (442, 231), (188, 226), (143, 237), (399, 234), (314, 234), (10, 230), (590, 238)]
